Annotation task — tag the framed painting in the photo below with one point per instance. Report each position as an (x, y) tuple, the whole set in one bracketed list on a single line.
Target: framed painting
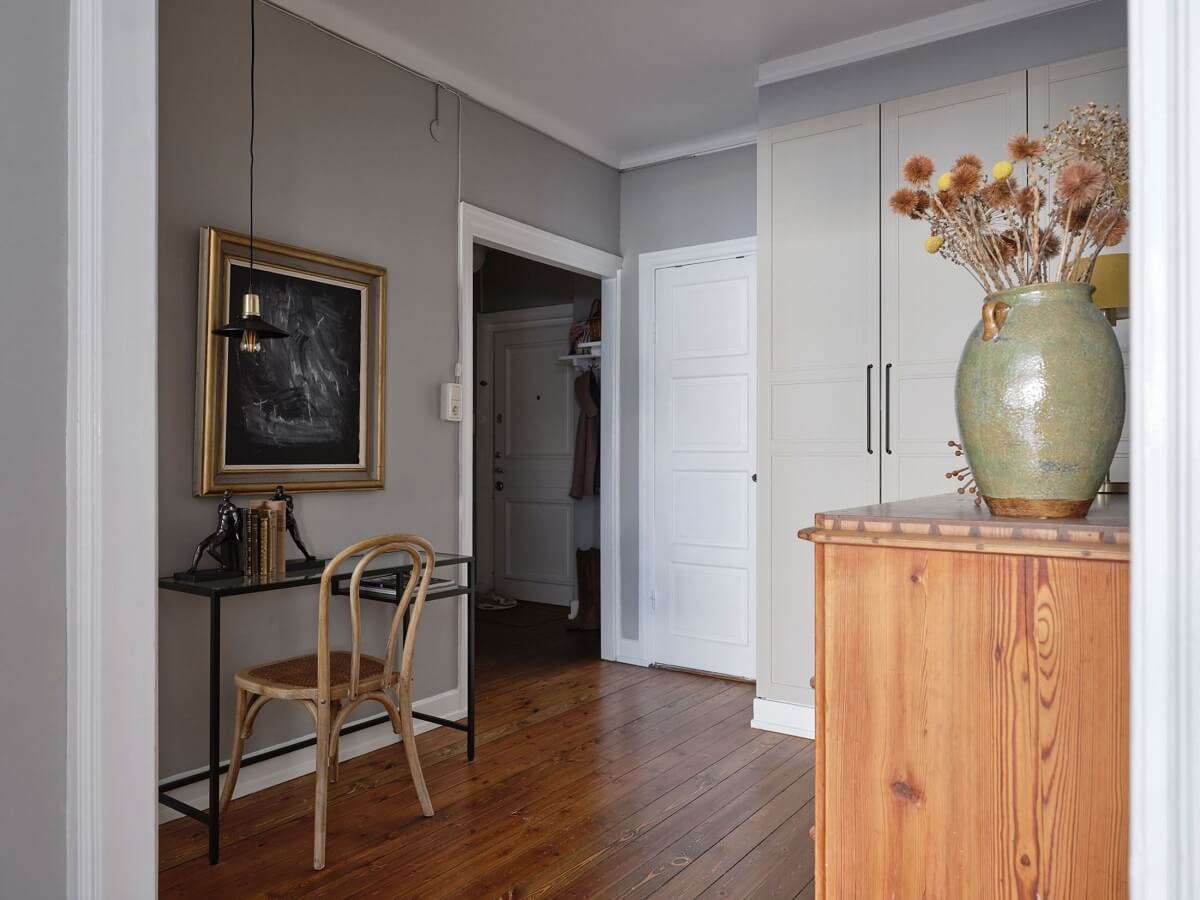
[(305, 411)]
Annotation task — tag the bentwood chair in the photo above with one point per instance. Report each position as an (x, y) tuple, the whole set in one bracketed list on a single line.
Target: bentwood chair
[(330, 684)]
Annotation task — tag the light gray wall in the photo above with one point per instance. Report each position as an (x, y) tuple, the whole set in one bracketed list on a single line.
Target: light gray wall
[(982, 54), (345, 165), (677, 204), (33, 391)]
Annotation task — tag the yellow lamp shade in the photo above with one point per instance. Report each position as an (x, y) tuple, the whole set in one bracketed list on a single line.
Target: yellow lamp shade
[(1111, 279)]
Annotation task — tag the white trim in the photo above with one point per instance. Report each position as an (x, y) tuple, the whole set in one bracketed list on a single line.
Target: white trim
[(1164, 790), (302, 761), (111, 451), (952, 23), (648, 263), (479, 226), (702, 146), (797, 719), (340, 20)]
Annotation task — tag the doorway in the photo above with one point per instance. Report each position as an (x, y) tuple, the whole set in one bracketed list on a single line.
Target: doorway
[(698, 437), (520, 401), (530, 520)]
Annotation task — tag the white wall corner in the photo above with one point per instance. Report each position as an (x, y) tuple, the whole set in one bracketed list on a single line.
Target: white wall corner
[(797, 719), (111, 459)]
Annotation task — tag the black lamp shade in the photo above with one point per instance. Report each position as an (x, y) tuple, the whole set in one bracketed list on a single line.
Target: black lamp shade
[(250, 320), (235, 327)]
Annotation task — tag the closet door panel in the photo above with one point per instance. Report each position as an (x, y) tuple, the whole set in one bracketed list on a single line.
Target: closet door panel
[(1104, 79), (928, 305), (818, 334)]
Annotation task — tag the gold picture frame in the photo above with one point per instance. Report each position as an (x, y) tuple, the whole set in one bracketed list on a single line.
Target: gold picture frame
[(307, 411)]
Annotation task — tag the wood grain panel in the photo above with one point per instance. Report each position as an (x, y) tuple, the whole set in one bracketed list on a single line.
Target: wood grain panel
[(1082, 637), (927, 673)]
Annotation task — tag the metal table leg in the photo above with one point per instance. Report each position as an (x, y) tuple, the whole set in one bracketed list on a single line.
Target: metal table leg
[(214, 730), (471, 659)]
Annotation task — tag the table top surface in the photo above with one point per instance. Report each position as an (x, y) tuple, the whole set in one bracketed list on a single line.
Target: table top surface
[(956, 517), (384, 564)]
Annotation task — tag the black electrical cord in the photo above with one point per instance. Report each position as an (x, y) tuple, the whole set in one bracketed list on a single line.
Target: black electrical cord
[(253, 44)]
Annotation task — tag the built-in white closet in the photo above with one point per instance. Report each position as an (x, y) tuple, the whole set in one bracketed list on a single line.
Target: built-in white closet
[(860, 330)]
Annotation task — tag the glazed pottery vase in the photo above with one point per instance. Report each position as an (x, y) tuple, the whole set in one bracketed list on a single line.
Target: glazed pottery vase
[(1040, 397)]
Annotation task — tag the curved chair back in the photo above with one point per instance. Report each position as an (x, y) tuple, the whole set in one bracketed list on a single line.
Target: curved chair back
[(420, 553)]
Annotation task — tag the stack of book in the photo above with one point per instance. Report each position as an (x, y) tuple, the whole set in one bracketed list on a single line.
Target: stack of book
[(264, 530)]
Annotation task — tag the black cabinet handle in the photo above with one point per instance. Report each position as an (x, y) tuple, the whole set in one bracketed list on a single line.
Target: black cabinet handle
[(870, 366), (887, 408)]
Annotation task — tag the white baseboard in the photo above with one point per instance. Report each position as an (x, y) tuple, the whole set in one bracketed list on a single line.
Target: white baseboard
[(797, 719), (302, 761)]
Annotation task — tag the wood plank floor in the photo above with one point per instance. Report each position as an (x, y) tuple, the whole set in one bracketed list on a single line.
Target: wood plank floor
[(591, 779)]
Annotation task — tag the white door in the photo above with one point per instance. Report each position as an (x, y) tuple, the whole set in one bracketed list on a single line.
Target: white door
[(532, 425), (1104, 79), (929, 306), (818, 346), (703, 594)]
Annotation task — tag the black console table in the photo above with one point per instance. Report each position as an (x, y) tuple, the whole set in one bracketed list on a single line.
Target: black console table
[(217, 589)]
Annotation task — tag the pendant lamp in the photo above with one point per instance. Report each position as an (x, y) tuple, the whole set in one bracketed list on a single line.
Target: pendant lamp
[(250, 326)]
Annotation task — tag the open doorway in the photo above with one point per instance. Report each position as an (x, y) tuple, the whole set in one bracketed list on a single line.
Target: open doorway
[(522, 523), (537, 446)]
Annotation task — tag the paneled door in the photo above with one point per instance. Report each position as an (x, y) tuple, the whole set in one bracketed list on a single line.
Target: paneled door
[(533, 429), (818, 346), (928, 305), (703, 593)]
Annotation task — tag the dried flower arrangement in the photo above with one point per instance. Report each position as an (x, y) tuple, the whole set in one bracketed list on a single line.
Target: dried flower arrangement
[(1007, 233)]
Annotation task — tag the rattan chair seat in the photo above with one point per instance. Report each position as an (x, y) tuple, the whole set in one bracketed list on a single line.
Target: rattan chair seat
[(298, 676)]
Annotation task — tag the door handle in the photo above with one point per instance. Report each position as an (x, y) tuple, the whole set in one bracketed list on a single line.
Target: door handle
[(887, 408), (499, 485), (870, 366), (498, 470)]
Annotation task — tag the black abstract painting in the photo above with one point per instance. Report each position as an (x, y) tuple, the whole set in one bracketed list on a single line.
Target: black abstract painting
[(299, 401)]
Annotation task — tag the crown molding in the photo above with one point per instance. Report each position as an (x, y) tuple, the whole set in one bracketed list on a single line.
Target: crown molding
[(952, 23), (712, 143), (340, 22)]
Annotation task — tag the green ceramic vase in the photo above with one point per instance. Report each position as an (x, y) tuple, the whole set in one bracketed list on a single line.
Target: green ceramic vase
[(1040, 397)]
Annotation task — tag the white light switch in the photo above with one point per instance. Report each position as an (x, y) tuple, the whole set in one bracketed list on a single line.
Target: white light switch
[(452, 402)]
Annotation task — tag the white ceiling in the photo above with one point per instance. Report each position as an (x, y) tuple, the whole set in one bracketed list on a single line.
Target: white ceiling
[(625, 81)]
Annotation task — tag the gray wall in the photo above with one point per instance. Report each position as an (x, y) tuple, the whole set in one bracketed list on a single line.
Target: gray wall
[(33, 376), (971, 57), (345, 165), (676, 204)]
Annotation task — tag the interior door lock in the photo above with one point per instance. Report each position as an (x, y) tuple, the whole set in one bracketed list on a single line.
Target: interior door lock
[(499, 485)]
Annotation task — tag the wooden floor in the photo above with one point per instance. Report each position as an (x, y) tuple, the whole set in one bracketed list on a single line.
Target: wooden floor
[(591, 779)]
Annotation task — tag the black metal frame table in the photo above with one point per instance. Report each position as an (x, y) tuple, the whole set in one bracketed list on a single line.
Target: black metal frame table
[(216, 589)]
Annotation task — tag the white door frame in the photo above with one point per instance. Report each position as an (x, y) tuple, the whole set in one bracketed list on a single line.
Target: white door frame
[(642, 651), (111, 437), (479, 226), (488, 325), (1164, 790)]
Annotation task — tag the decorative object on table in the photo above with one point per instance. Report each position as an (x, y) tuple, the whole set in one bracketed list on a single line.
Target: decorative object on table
[(267, 520), (250, 327), (224, 544), (1040, 392), (290, 518), (964, 474), (308, 410), (333, 683)]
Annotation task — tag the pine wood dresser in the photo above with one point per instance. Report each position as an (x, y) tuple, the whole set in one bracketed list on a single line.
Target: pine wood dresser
[(972, 695)]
